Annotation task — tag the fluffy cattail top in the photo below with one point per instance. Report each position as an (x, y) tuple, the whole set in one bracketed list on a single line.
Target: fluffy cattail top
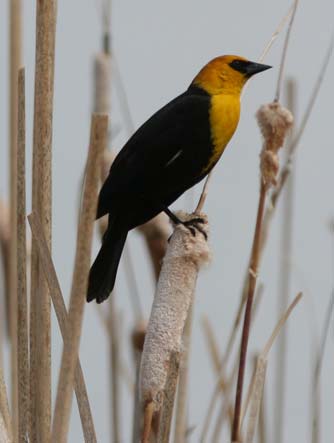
[(274, 122)]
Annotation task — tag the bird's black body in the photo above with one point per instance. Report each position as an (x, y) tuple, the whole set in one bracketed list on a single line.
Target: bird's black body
[(153, 170), (169, 154), (166, 156)]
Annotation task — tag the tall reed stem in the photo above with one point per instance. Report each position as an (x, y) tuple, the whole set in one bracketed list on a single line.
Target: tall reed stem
[(253, 270), (40, 327), (99, 128), (15, 50), (22, 312)]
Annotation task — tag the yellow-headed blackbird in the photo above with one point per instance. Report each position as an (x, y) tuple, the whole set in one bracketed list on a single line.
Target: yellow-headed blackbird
[(175, 149)]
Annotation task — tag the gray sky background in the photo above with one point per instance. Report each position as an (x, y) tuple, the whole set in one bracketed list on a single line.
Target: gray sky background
[(159, 47)]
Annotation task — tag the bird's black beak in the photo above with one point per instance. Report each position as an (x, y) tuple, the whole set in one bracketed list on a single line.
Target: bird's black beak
[(254, 68)]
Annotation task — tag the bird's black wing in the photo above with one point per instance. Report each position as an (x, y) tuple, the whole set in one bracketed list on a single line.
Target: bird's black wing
[(164, 157)]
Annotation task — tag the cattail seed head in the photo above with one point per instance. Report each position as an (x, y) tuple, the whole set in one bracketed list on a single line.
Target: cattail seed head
[(185, 255), (274, 121)]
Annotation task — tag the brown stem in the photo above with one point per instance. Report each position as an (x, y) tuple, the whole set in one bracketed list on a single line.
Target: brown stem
[(22, 311), (253, 269), (40, 307), (99, 127), (61, 313), (15, 50)]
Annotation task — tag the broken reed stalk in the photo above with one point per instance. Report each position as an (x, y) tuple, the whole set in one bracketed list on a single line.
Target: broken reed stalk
[(22, 302), (60, 309), (5, 241), (4, 436), (317, 372), (99, 129), (166, 414), (224, 386), (284, 52), (138, 338), (4, 407), (174, 295), (40, 328), (257, 384), (274, 122), (114, 358), (102, 83), (284, 281), (15, 56), (212, 344), (181, 413)]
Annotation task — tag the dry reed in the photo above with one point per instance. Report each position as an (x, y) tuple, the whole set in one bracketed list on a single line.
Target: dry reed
[(4, 408), (99, 128), (40, 333), (60, 309), (181, 412), (285, 280), (15, 56), (22, 302)]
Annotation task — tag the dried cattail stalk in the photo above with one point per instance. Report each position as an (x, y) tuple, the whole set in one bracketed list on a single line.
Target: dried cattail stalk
[(102, 82), (166, 414), (4, 435), (5, 241), (4, 407), (224, 385), (15, 56), (99, 128), (40, 328), (181, 425), (22, 303), (114, 356), (274, 122), (285, 272), (60, 309), (137, 338), (258, 384), (184, 257)]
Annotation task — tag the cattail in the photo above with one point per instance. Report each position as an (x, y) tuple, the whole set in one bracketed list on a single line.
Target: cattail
[(185, 255), (274, 121)]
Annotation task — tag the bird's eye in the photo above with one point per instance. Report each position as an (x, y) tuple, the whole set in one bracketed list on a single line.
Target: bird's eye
[(236, 64), (239, 65)]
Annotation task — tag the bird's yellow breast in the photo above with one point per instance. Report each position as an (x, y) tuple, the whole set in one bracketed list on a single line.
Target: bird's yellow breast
[(224, 117)]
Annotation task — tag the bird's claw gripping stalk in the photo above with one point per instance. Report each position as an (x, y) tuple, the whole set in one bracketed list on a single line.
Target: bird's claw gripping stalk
[(193, 226)]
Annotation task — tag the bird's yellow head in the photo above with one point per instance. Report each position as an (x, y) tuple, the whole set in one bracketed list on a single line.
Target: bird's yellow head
[(226, 74)]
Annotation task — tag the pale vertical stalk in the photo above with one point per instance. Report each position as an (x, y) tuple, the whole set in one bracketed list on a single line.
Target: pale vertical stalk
[(253, 272), (102, 84), (15, 50), (284, 282), (274, 122), (115, 370), (181, 427), (60, 309), (99, 128), (138, 338), (4, 435), (22, 312), (4, 407), (317, 372), (166, 413), (40, 331)]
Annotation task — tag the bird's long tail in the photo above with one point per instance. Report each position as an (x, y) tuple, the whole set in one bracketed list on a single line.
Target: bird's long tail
[(103, 272)]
